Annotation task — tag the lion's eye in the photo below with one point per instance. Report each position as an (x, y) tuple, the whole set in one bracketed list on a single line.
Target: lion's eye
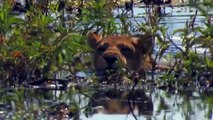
[(101, 48), (125, 49)]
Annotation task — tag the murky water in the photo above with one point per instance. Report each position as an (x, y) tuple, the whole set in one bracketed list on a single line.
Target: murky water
[(156, 104), (143, 102)]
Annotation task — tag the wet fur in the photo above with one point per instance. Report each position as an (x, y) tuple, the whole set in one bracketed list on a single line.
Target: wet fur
[(117, 51)]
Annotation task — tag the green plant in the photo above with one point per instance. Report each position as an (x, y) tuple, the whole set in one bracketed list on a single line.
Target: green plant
[(194, 64), (35, 43)]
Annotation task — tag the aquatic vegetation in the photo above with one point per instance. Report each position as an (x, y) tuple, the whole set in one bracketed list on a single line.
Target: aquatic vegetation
[(33, 45)]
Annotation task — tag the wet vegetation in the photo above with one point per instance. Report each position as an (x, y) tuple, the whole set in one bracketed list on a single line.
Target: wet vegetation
[(43, 49)]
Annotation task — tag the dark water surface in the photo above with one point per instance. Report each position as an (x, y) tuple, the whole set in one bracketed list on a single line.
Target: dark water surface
[(89, 102)]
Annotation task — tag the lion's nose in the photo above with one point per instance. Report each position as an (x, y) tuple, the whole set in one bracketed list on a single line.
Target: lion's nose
[(110, 59)]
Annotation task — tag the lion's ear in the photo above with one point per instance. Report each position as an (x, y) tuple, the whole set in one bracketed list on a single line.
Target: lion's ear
[(143, 43), (93, 39)]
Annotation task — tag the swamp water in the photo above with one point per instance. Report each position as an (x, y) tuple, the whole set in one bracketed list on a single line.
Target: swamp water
[(85, 101), (107, 102)]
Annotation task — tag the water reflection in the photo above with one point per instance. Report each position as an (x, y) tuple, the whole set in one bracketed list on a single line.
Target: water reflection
[(121, 102), (106, 103)]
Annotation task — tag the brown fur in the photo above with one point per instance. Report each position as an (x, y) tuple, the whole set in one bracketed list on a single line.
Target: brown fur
[(116, 51)]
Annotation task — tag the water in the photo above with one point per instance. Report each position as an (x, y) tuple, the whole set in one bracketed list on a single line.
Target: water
[(145, 102), (169, 105)]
